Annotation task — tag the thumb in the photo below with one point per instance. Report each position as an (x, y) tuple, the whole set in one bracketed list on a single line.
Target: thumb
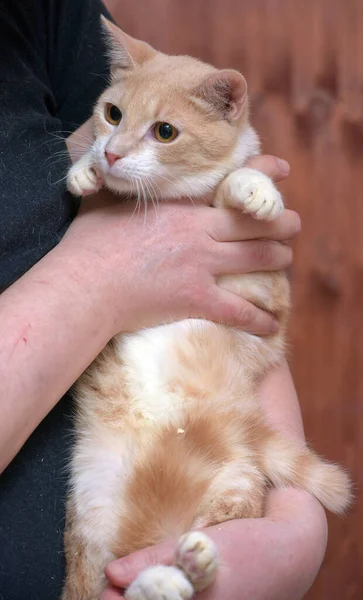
[(123, 571), (273, 167)]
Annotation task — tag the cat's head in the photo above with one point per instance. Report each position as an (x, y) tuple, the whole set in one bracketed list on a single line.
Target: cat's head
[(169, 126)]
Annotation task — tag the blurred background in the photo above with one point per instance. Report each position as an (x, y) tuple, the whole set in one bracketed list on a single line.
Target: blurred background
[(303, 61)]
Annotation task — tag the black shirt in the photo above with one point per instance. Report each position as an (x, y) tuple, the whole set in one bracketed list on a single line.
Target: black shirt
[(52, 69)]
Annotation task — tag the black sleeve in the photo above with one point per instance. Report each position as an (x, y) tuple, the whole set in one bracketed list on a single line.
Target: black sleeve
[(77, 64), (52, 68)]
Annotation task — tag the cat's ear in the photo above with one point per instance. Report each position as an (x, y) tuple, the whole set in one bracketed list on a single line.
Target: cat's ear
[(124, 51), (226, 92)]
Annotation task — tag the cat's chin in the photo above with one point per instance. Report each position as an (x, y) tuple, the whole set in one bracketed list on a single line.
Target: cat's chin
[(120, 185), (124, 185)]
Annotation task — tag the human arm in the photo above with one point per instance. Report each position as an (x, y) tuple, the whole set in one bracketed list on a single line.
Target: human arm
[(274, 558)]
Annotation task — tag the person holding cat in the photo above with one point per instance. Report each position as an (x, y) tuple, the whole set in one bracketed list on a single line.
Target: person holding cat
[(70, 284)]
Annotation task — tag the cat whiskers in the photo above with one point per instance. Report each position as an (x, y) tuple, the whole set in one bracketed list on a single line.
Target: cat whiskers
[(138, 203), (145, 192), (79, 146), (56, 135), (153, 183), (144, 197), (82, 142), (60, 180), (60, 156), (152, 194)]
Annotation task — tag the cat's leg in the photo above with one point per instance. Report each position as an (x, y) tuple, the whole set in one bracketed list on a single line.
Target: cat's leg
[(229, 499), (83, 178), (237, 492), (233, 503), (85, 578), (85, 573), (252, 192), (196, 560)]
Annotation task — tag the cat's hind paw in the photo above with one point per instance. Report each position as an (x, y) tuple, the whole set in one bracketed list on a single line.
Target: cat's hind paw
[(160, 583), (197, 556)]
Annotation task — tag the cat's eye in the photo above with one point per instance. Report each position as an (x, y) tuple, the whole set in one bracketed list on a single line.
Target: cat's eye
[(113, 114), (165, 133)]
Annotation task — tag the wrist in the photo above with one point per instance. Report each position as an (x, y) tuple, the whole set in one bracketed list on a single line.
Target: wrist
[(90, 279)]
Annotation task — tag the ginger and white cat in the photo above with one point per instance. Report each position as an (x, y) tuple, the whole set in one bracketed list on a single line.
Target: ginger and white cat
[(170, 434)]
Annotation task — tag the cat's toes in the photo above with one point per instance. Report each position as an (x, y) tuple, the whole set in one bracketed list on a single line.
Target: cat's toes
[(160, 583), (255, 194), (263, 201), (82, 181), (197, 556)]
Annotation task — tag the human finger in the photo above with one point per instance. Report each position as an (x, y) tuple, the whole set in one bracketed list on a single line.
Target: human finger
[(123, 571), (231, 225), (229, 309), (252, 256), (272, 166)]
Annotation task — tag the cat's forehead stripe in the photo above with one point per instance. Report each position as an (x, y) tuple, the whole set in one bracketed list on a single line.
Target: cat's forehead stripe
[(146, 105)]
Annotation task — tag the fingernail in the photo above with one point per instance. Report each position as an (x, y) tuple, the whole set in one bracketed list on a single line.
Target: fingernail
[(284, 166)]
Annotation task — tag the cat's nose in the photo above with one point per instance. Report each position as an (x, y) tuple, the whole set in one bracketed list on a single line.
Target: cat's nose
[(111, 157)]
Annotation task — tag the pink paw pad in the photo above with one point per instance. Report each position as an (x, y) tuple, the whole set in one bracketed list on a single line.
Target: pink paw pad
[(197, 556)]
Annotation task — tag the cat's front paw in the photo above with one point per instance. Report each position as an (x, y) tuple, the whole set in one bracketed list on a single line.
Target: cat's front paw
[(160, 583), (197, 556), (83, 179), (254, 193)]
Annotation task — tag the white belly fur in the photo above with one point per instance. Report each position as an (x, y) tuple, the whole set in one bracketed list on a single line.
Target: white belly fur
[(105, 457)]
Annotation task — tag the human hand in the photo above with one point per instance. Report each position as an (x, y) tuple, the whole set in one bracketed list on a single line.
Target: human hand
[(164, 265), (273, 558)]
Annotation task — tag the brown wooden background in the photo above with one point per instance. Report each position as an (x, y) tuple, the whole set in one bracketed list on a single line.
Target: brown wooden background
[(303, 60)]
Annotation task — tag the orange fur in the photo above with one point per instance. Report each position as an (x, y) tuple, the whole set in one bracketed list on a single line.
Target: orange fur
[(170, 434)]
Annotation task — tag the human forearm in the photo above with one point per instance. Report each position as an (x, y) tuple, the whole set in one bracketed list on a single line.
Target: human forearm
[(53, 323), (280, 402)]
